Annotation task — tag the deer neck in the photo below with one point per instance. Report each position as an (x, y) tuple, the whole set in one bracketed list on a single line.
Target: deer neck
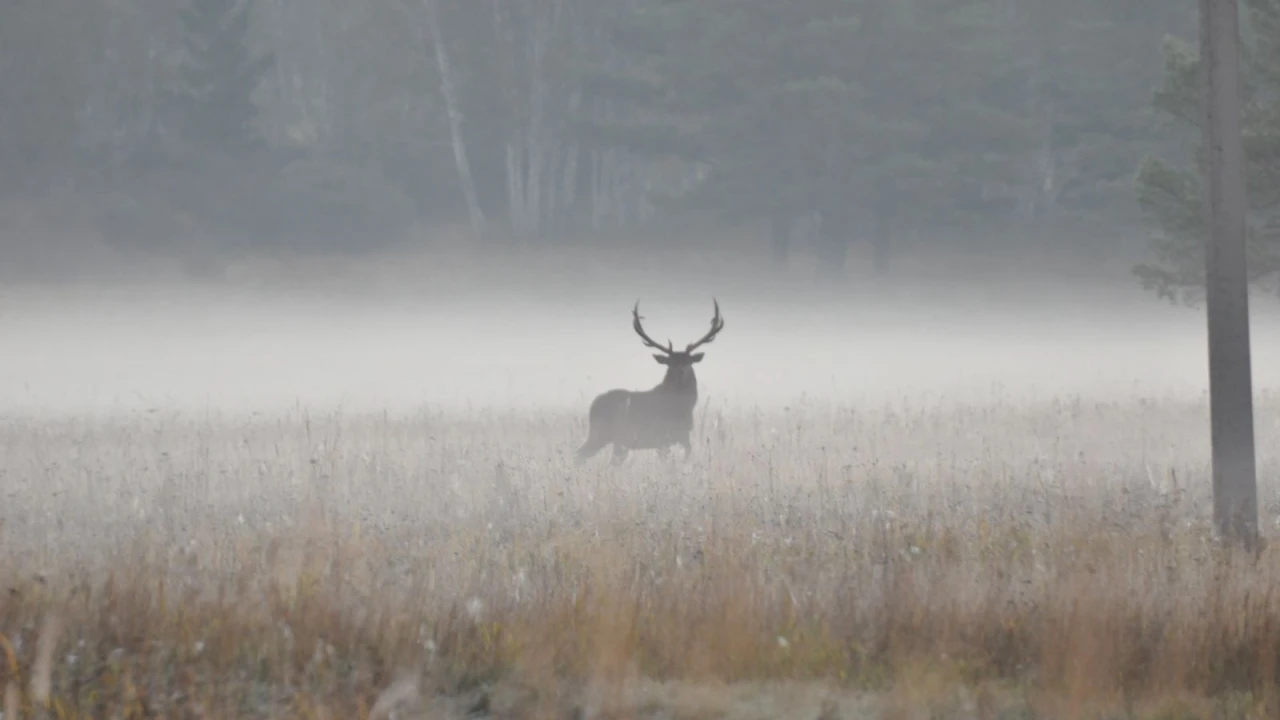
[(679, 383)]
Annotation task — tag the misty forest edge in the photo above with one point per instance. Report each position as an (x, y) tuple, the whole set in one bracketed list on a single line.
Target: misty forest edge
[(214, 128)]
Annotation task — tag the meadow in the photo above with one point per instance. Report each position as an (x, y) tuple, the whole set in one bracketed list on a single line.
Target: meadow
[(300, 566), (920, 541)]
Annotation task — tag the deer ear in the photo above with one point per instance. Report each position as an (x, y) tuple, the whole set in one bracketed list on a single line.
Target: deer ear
[(662, 359), (696, 357)]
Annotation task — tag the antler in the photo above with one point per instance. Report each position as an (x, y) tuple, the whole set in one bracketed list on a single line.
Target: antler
[(648, 341), (717, 324)]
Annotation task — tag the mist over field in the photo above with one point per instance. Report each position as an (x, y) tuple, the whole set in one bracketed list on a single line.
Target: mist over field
[(376, 462), (885, 477), (227, 349)]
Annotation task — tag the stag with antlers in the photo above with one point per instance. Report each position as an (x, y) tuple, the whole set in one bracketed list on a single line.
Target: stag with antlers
[(652, 419)]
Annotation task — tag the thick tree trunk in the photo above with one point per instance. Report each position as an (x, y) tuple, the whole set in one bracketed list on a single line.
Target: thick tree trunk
[(474, 212)]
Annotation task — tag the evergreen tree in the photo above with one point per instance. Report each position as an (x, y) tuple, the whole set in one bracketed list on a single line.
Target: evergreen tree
[(1169, 192), (877, 116), (214, 109), (851, 109), (45, 58)]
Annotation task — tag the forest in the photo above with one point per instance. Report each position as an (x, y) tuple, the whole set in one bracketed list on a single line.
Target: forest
[(319, 126)]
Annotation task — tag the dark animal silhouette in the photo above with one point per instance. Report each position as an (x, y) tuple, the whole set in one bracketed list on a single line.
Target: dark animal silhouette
[(652, 419)]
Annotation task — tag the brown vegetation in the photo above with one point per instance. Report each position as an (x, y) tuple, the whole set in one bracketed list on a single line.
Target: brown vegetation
[(1016, 561)]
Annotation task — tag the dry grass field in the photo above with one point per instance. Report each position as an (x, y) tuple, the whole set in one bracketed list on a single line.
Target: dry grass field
[(938, 513), (1031, 564)]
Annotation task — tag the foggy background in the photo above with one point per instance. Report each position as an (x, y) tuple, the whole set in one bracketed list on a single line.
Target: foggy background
[(179, 348), (391, 204)]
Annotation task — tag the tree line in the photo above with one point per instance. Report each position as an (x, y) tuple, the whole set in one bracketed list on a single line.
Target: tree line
[(327, 125)]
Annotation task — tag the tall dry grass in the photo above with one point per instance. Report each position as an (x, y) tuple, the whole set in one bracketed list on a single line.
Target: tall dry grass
[(991, 560)]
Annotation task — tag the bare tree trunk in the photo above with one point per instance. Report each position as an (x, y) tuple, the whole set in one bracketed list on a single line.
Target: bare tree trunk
[(304, 111), (538, 45), (569, 181), (1043, 191), (534, 150), (474, 212), (1038, 26), (1235, 483), (515, 187), (516, 150), (540, 145)]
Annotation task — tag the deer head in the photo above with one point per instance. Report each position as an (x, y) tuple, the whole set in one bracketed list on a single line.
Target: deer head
[(679, 362)]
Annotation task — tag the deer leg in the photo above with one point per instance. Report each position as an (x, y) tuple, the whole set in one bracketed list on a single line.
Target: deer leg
[(619, 453), (589, 448)]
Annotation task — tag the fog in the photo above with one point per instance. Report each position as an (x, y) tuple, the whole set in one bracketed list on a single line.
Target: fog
[(844, 145), (228, 350)]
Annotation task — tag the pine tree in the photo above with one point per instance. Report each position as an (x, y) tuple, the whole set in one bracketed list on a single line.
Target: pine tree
[(882, 117), (838, 108), (214, 110), (1169, 193)]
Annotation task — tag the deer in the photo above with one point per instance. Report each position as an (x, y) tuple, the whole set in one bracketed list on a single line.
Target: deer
[(653, 419)]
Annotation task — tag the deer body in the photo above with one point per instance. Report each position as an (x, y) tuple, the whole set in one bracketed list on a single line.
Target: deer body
[(652, 419)]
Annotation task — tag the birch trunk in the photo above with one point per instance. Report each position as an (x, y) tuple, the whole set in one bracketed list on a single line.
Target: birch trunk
[(474, 212), (516, 149), (542, 27)]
